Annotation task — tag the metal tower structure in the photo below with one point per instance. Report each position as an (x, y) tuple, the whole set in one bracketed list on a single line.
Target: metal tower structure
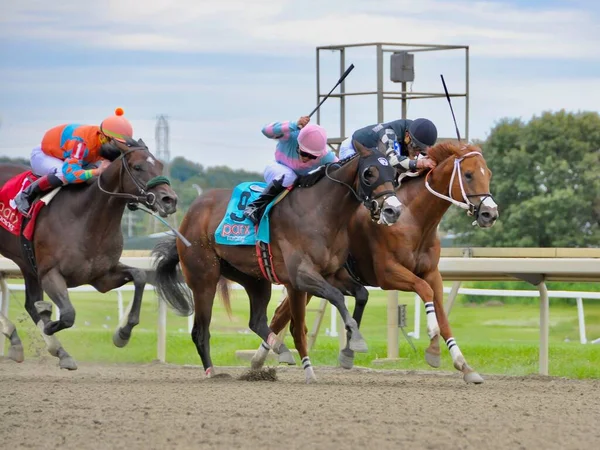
[(402, 71)]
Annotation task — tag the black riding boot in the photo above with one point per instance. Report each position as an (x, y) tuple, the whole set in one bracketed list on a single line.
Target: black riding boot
[(254, 210), (25, 198)]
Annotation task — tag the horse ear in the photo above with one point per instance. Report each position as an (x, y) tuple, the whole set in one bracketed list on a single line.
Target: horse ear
[(121, 146), (361, 149)]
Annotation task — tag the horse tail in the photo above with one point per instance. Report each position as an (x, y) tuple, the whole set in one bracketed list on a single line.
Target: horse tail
[(225, 297), (168, 285)]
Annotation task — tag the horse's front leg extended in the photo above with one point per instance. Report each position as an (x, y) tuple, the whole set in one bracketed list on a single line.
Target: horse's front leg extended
[(307, 279), (117, 277), (396, 277), (434, 279)]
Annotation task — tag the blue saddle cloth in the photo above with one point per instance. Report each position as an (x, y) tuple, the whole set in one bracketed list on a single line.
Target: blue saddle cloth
[(235, 228)]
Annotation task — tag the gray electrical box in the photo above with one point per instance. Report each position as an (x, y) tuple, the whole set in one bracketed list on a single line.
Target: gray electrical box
[(401, 316), (402, 67)]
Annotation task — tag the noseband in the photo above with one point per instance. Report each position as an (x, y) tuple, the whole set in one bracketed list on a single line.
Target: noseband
[(471, 208)]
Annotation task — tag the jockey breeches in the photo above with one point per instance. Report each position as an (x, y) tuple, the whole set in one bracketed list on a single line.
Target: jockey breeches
[(43, 164), (280, 172)]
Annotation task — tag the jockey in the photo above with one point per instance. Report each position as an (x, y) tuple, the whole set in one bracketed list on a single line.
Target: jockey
[(69, 154), (300, 148), (403, 139)]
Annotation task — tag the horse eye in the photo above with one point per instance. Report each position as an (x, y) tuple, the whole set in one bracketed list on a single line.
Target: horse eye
[(468, 176), (137, 167)]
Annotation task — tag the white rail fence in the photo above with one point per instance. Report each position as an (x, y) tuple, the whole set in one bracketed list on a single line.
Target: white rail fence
[(334, 319)]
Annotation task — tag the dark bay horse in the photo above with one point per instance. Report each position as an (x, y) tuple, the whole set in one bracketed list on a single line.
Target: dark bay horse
[(309, 243), (405, 256), (78, 241)]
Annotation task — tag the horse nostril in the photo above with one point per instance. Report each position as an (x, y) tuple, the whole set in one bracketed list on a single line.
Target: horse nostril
[(391, 212), (486, 215), (167, 200)]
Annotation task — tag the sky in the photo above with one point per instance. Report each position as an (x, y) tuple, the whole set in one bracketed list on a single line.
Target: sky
[(220, 70)]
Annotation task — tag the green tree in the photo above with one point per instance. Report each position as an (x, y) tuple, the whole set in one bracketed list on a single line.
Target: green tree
[(546, 182)]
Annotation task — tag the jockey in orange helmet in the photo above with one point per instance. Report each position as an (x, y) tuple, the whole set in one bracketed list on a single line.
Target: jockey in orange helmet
[(69, 153)]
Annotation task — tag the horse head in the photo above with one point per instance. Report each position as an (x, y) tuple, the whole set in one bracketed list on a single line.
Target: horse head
[(140, 177), (467, 178), (375, 185)]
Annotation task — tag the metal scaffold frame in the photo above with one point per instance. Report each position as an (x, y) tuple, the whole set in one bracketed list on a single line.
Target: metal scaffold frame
[(382, 48)]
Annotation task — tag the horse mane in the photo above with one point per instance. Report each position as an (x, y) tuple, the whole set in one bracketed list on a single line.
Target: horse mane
[(316, 175), (444, 150)]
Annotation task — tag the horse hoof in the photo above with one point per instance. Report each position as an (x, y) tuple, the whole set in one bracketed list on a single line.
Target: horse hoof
[(287, 358), (432, 359), (43, 307), (15, 352), (346, 361), (473, 377), (256, 363), (358, 345), (67, 363), (310, 376), (118, 340)]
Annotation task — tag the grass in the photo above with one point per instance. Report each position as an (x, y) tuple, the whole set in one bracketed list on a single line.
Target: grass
[(494, 339)]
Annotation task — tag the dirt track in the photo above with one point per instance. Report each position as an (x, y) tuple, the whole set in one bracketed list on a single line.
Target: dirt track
[(163, 406)]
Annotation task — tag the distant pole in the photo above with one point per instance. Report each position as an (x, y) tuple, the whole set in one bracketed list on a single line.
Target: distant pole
[(163, 153)]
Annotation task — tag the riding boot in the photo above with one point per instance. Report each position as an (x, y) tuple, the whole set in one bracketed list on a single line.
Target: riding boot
[(254, 210), (24, 199)]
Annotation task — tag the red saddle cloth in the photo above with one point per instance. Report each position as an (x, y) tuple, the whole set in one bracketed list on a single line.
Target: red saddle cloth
[(10, 218)]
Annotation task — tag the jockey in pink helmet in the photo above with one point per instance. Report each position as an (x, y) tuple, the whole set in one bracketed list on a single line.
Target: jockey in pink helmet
[(301, 147)]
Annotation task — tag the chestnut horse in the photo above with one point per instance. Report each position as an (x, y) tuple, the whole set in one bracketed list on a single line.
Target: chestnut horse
[(309, 244), (405, 257), (78, 241)]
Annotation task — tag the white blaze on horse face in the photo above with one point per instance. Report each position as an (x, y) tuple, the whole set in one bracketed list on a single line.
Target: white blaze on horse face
[(482, 171), (490, 203), (150, 159)]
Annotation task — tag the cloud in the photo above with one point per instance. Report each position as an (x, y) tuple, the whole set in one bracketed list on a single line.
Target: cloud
[(277, 26)]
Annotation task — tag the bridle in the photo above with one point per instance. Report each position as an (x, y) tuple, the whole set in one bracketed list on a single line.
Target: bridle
[(145, 197), (364, 193), (467, 205)]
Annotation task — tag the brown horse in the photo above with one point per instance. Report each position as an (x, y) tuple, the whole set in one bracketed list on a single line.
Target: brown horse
[(309, 241), (78, 241), (405, 256)]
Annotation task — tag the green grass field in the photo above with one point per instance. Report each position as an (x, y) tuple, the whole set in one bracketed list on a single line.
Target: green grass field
[(494, 339)]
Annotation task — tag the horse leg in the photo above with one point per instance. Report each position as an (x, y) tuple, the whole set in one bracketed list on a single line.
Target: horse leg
[(311, 282), (280, 319), (434, 279), (203, 283), (115, 278), (259, 294), (15, 351), (348, 286), (298, 331), (38, 311), (398, 277)]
